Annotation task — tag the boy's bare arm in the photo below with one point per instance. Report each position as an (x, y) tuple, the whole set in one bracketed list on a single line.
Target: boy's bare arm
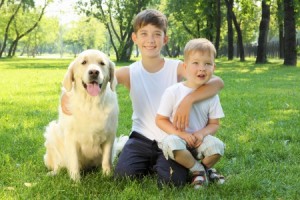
[(210, 129), (123, 76), (64, 101), (211, 88), (165, 124)]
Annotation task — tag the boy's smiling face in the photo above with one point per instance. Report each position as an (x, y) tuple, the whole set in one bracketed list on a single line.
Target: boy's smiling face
[(199, 68), (150, 40)]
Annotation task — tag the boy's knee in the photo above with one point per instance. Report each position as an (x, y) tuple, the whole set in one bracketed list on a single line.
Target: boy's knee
[(172, 143), (214, 146), (176, 176), (126, 172)]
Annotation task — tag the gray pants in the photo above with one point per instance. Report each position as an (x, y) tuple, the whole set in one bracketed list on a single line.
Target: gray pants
[(210, 146)]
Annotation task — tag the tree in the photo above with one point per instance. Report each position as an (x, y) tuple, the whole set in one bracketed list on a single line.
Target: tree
[(27, 29), (229, 32), (263, 33), (93, 36), (200, 22), (218, 25), (117, 16), (1, 3), (280, 19), (42, 39), (177, 37), (238, 30), (290, 51), (10, 20)]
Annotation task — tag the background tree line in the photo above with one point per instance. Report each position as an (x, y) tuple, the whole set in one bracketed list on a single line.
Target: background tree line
[(106, 25)]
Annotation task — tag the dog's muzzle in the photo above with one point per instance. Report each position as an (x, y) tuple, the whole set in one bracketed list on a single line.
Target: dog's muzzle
[(93, 87)]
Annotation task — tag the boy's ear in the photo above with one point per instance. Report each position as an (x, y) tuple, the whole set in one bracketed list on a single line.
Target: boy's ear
[(133, 37), (166, 39)]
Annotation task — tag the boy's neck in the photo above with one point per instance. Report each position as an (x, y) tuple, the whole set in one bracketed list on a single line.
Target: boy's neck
[(191, 85), (153, 65)]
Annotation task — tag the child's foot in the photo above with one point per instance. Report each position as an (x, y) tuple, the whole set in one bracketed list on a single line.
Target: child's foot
[(214, 177), (199, 180)]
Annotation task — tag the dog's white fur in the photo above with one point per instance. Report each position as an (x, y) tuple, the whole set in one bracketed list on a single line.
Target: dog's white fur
[(85, 138)]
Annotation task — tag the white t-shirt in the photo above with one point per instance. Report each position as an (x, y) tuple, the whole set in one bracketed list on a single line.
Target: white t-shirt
[(200, 113), (146, 90)]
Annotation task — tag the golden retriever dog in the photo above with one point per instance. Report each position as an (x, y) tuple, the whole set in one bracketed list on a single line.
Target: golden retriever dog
[(85, 139)]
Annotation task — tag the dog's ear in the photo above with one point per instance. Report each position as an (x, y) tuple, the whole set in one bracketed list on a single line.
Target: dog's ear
[(112, 80), (69, 77)]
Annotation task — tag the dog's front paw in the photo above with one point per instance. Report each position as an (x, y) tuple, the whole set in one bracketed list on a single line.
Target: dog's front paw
[(52, 173), (106, 171), (75, 176)]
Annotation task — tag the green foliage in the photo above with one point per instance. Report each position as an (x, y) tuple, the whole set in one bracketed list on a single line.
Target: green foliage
[(261, 131), (87, 33), (41, 40), (117, 16)]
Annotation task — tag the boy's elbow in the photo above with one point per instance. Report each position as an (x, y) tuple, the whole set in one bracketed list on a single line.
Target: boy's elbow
[(157, 121), (220, 82)]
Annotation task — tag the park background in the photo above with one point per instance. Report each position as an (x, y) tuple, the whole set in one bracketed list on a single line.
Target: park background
[(258, 49)]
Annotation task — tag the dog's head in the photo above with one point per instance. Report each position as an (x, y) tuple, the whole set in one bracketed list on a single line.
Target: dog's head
[(90, 71)]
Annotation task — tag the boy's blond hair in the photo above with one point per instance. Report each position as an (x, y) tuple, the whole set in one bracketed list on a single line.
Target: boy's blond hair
[(199, 44), (150, 16)]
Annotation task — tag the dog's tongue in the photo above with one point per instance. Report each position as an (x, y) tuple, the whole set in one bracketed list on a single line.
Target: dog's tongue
[(93, 89)]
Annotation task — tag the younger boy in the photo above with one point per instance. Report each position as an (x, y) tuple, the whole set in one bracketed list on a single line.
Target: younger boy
[(196, 141)]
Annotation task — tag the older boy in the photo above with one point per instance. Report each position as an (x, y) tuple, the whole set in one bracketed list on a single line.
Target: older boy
[(196, 141), (146, 80)]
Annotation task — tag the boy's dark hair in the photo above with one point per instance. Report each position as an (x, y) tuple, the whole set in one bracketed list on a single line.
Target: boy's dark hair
[(150, 16)]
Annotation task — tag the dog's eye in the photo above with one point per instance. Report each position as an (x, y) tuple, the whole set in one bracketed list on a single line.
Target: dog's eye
[(83, 62), (102, 63)]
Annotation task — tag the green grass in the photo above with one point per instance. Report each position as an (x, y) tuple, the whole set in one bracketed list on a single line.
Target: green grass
[(261, 131)]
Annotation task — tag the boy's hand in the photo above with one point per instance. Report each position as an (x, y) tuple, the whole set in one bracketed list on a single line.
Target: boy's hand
[(199, 139), (181, 117), (64, 102), (189, 138)]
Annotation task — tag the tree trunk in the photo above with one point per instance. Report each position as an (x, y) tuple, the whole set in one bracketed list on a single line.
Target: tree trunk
[(290, 51), (238, 31), (240, 39), (2, 49), (230, 33), (218, 26), (261, 56), (1, 3), (280, 12)]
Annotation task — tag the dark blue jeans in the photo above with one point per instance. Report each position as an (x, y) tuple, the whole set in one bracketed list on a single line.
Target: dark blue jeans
[(141, 156)]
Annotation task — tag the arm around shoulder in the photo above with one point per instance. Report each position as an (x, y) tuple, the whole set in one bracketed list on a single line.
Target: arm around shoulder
[(123, 76), (210, 89)]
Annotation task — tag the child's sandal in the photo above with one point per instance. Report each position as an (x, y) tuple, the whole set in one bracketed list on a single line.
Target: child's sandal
[(214, 177), (200, 180)]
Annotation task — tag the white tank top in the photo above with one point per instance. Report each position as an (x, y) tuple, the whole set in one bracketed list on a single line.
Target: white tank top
[(146, 90)]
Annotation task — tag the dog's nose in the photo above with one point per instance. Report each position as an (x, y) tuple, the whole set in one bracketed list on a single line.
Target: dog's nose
[(93, 73)]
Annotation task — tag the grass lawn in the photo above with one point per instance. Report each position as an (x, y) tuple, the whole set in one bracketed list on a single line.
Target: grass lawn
[(261, 131)]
